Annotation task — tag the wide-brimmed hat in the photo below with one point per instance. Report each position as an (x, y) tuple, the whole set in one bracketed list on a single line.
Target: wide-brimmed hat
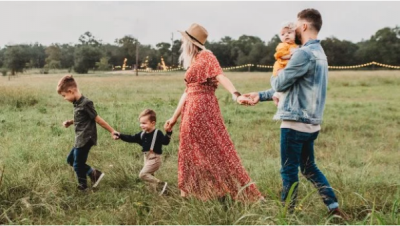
[(197, 34)]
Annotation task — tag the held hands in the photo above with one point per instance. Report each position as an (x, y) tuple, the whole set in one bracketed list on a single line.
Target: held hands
[(115, 135), (67, 123), (169, 124), (249, 99)]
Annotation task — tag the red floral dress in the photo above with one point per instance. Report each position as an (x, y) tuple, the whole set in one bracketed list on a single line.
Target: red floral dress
[(208, 165)]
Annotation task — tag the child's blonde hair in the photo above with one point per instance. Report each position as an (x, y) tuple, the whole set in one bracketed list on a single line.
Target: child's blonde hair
[(289, 25), (150, 113), (65, 83)]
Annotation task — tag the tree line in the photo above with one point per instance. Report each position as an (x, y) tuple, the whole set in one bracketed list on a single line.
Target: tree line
[(91, 54)]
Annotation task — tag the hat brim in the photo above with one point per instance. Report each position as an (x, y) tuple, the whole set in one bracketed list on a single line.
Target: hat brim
[(192, 41)]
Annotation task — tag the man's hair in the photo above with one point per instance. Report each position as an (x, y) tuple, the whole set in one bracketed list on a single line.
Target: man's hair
[(150, 113), (65, 83), (312, 16)]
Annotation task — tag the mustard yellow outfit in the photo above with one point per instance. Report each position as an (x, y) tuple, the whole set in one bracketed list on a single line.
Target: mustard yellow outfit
[(282, 49)]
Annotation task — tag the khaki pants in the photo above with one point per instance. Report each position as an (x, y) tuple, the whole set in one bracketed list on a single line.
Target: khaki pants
[(152, 163)]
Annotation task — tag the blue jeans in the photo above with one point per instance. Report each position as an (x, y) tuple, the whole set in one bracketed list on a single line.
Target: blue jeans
[(77, 158), (297, 149)]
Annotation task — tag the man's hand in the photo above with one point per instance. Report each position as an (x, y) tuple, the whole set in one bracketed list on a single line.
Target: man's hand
[(253, 97), (67, 123)]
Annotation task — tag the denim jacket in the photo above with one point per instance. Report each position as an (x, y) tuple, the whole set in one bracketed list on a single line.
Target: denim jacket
[(303, 83)]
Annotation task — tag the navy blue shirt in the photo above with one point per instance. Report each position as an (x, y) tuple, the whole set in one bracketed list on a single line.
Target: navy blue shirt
[(145, 142)]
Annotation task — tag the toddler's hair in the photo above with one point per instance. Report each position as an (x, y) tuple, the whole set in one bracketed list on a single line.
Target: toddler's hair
[(150, 113), (289, 25), (66, 83)]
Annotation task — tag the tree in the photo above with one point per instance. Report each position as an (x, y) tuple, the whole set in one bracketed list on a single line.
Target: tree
[(175, 52), (16, 58), (223, 51), (2, 51), (113, 53), (164, 51), (88, 39), (127, 49), (37, 55), (86, 57), (243, 47), (383, 47), (339, 52), (67, 56), (53, 60), (103, 65)]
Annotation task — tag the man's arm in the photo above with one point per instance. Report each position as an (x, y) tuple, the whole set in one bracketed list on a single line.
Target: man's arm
[(266, 95), (295, 69)]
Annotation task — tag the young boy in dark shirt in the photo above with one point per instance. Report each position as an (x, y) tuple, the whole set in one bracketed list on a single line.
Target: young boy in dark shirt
[(151, 140), (85, 119)]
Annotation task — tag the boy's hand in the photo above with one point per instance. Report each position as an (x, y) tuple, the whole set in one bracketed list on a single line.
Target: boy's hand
[(67, 123), (115, 135)]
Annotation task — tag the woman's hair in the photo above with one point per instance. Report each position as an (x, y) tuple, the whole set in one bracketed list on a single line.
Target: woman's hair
[(188, 52), (65, 83)]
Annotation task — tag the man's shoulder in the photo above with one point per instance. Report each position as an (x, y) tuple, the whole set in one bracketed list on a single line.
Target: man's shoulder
[(303, 52)]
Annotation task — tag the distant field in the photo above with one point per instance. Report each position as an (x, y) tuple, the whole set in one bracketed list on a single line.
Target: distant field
[(358, 150)]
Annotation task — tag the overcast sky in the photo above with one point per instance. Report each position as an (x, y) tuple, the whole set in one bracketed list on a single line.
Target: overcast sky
[(153, 22)]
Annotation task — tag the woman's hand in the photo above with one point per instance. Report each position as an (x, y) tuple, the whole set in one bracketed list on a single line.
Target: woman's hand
[(169, 124)]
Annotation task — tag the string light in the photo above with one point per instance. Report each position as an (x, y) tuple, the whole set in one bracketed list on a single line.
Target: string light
[(269, 66)]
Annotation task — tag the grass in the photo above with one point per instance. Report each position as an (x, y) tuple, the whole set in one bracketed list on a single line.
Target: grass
[(357, 149)]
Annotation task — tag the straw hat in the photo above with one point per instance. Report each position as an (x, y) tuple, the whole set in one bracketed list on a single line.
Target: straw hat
[(197, 34)]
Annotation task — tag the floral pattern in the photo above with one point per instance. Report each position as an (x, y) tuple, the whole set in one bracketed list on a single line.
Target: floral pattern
[(208, 166)]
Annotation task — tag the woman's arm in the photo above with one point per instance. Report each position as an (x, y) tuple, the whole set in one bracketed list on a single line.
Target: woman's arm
[(226, 83), (171, 122)]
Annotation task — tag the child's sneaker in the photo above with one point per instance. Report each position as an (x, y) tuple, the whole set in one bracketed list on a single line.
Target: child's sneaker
[(96, 177), (82, 187), (164, 187), (339, 213)]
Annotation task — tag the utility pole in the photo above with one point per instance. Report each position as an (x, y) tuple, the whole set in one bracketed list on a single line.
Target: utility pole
[(172, 47), (137, 57)]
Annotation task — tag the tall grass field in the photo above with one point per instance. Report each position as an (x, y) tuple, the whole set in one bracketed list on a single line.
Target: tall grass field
[(358, 149)]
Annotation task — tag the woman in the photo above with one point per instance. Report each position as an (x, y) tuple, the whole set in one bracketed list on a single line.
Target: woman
[(208, 165)]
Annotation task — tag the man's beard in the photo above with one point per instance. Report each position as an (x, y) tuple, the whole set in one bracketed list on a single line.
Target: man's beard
[(297, 39)]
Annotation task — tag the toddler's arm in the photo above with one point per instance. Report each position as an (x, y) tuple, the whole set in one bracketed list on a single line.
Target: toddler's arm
[(166, 138), (129, 138)]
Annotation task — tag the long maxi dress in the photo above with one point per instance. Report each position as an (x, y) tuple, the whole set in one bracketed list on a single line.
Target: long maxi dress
[(208, 164)]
